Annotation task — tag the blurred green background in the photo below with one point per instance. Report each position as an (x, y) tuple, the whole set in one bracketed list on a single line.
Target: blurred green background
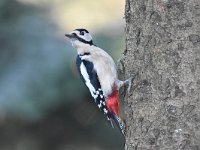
[(43, 103)]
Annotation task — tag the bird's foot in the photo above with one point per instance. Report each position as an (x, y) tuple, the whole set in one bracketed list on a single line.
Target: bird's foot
[(128, 83)]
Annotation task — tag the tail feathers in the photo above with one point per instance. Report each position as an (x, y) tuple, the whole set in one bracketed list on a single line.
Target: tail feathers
[(118, 121), (111, 123)]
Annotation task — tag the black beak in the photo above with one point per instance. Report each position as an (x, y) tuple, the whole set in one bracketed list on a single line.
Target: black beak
[(70, 36)]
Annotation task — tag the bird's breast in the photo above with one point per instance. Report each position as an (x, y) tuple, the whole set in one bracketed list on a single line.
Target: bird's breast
[(107, 76)]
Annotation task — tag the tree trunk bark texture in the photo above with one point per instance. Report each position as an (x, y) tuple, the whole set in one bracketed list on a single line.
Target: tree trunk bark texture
[(162, 110)]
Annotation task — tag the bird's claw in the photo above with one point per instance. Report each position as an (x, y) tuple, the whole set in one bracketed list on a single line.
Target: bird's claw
[(129, 84)]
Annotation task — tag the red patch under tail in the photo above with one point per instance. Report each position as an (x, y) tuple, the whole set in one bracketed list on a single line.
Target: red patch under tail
[(112, 103)]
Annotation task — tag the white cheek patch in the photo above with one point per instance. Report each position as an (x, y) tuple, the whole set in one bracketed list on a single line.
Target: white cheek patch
[(87, 81), (86, 37)]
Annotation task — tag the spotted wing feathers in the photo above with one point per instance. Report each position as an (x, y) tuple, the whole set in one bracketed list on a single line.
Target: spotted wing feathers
[(91, 80)]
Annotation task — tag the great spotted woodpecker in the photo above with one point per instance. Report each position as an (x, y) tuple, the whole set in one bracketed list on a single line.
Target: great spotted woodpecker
[(98, 71)]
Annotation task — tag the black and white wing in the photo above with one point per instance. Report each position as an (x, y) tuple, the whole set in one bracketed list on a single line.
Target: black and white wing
[(90, 78)]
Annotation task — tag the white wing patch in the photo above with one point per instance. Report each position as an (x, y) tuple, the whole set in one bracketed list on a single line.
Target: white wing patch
[(96, 94), (87, 81)]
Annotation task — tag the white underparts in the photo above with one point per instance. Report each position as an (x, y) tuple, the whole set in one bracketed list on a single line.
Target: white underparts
[(103, 65)]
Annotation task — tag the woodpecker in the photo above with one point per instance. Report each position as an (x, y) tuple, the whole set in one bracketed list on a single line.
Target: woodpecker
[(98, 71)]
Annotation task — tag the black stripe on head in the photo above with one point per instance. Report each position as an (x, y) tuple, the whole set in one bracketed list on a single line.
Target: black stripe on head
[(82, 30), (82, 40)]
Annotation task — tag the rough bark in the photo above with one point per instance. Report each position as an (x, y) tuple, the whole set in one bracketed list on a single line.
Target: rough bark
[(163, 46)]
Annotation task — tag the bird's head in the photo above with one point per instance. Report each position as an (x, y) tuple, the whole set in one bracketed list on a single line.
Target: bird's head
[(79, 37)]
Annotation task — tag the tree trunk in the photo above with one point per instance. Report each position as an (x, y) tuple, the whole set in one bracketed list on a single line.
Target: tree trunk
[(163, 47)]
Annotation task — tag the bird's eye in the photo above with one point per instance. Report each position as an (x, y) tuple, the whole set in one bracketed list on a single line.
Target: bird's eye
[(82, 33)]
